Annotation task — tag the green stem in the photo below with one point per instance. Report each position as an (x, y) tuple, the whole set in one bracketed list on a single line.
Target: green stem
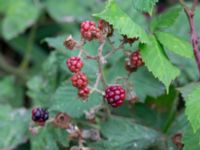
[(25, 62)]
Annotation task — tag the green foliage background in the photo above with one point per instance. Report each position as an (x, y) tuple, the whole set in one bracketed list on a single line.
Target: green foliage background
[(33, 73)]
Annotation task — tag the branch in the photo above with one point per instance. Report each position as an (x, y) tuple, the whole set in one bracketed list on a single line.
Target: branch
[(194, 36)]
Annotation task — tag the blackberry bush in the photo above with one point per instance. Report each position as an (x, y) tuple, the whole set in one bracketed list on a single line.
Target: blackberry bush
[(127, 79)]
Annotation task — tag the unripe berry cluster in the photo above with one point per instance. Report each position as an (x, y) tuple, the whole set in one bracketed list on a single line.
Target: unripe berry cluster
[(79, 79), (113, 94), (89, 31), (134, 61)]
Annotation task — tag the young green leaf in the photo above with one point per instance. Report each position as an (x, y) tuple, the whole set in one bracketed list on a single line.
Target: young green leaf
[(175, 44), (158, 63), (192, 109), (165, 19), (145, 5), (122, 22)]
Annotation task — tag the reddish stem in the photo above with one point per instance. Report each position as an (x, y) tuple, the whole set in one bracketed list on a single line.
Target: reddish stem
[(194, 36)]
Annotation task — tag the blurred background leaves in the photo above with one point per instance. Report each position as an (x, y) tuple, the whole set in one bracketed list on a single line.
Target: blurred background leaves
[(33, 73)]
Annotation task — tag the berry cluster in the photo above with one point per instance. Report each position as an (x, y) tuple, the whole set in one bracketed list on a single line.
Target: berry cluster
[(40, 115), (134, 61), (115, 95), (89, 31), (79, 79)]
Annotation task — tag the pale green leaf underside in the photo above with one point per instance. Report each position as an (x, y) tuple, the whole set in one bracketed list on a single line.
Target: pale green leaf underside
[(157, 62), (144, 5), (175, 44), (122, 22), (192, 110)]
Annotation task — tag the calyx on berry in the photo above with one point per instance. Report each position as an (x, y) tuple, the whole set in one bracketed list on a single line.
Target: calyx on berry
[(115, 95), (40, 115), (74, 64), (70, 43), (79, 80)]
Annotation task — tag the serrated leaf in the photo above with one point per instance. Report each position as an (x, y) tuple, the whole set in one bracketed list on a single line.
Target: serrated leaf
[(175, 44), (191, 140), (16, 20), (192, 108), (13, 126), (145, 5), (187, 89), (157, 62), (66, 100), (135, 136), (122, 22), (165, 19)]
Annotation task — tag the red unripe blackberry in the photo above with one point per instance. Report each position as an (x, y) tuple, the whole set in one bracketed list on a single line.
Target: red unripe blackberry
[(84, 92), (136, 59), (74, 64), (40, 115), (115, 95), (79, 80), (134, 62)]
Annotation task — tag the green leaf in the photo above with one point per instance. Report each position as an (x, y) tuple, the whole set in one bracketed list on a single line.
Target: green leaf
[(187, 89), (68, 10), (19, 15), (157, 62), (192, 108), (166, 19), (11, 93), (122, 22), (13, 126), (145, 84), (175, 44), (48, 138), (135, 136), (145, 5), (191, 140), (66, 100)]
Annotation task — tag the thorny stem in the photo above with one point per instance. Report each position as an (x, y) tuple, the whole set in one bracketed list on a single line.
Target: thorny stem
[(194, 36)]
